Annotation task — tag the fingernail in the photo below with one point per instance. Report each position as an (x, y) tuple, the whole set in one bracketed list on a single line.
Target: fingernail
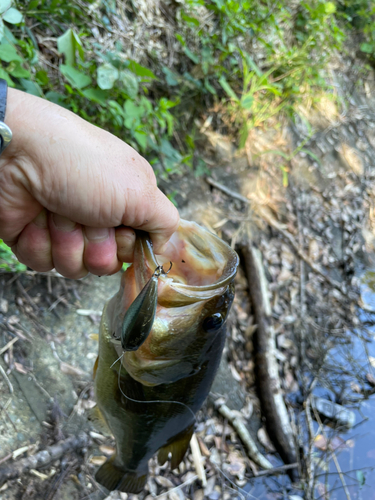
[(63, 223), (41, 220), (96, 233)]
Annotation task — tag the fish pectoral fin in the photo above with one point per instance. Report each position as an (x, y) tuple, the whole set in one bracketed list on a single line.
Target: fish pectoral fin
[(177, 448), (95, 416), (114, 477), (95, 367)]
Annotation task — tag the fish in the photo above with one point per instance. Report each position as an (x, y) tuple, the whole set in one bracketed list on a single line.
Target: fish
[(147, 397)]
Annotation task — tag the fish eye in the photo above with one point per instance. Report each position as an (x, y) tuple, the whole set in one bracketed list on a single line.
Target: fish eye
[(213, 323)]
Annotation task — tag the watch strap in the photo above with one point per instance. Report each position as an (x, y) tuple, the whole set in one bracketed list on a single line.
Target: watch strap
[(5, 132), (3, 98)]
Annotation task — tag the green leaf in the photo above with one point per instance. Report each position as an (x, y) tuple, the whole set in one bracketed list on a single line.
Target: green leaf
[(130, 83), (170, 77), (312, 155), (4, 5), (368, 48), (191, 55), (9, 53), (8, 260), (329, 8), (139, 70), (13, 16), (132, 110), (96, 95), (116, 107), (106, 76), (17, 70), (189, 19), (76, 78), (42, 77), (228, 89), (181, 40), (244, 134), (31, 87), (141, 138), (165, 103), (4, 75), (55, 97), (8, 37), (209, 87), (247, 101), (68, 44)]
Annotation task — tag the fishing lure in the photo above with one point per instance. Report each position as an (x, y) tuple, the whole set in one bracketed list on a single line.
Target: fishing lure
[(139, 318)]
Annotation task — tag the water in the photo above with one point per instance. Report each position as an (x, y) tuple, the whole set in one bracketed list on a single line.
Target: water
[(354, 448)]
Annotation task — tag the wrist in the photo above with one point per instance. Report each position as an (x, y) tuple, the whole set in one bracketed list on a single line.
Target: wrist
[(17, 119)]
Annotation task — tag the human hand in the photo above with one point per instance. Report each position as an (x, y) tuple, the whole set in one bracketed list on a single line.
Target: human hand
[(65, 185)]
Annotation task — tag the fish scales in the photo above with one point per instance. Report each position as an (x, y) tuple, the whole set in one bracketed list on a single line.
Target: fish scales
[(149, 397)]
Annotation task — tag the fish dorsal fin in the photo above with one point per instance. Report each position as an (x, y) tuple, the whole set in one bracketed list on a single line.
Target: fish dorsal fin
[(176, 447), (95, 416)]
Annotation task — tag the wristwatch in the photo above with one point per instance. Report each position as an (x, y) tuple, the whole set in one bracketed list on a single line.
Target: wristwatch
[(5, 132)]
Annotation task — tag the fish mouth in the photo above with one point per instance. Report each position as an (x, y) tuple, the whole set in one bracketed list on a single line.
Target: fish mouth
[(202, 265)]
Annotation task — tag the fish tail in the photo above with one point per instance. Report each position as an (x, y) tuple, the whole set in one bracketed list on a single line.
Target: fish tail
[(113, 477)]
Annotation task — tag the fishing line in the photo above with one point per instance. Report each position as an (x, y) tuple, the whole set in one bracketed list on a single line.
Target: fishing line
[(154, 401)]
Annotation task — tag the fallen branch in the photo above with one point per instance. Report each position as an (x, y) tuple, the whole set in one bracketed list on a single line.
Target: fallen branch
[(276, 225), (266, 367), (252, 450), (42, 458)]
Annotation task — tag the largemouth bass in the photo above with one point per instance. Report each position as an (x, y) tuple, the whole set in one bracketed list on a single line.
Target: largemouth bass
[(150, 396)]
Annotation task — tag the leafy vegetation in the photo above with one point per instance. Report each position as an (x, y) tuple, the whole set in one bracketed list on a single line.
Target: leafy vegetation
[(8, 261), (254, 58), (241, 61)]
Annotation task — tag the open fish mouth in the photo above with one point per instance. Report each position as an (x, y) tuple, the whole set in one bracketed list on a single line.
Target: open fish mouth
[(202, 265)]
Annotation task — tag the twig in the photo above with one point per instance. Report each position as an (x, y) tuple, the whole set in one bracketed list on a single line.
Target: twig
[(188, 481), (8, 345), (245, 437), (277, 470), (7, 457), (43, 458), (266, 367), (227, 191), (341, 476), (197, 459), (26, 295), (276, 225), (309, 462), (57, 483), (2, 371)]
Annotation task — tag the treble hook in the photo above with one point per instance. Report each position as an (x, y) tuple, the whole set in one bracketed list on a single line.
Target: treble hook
[(160, 270)]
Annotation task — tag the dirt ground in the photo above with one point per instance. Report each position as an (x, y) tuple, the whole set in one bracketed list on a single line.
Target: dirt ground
[(326, 212)]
